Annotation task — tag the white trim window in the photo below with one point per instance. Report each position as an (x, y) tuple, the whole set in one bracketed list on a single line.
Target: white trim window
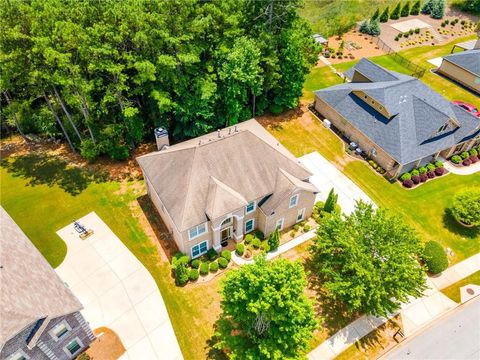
[(73, 347), (300, 215), (199, 249), (197, 231), (19, 355), (279, 224), (226, 221), (250, 207), (249, 225), (60, 330), (293, 201)]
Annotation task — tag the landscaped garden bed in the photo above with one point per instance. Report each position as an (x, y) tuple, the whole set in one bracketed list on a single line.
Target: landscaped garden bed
[(421, 175), (200, 269), (466, 158)]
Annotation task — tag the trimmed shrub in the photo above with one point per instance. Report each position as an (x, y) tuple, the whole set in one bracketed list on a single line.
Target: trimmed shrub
[(464, 155), (434, 257), (405, 176), (417, 31), (292, 233), (466, 207), (415, 172), (438, 164), (264, 246), (181, 274), (195, 264), (259, 234), (423, 177), (430, 167), (222, 262), (248, 238), (430, 174), (473, 159), (306, 228), (204, 268), (408, 183), (193, 275), (473, 152), (467, 162), (256, 243), (439, 171), (213, 267), (456, 159), (416, 179), (211, 254), (240, 249), (274, 240), (226, 254), (422, 170), (296, 227)]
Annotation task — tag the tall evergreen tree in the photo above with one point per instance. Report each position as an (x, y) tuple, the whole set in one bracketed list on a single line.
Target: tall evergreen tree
[(405, 9), (375, 15), (395, 15), (331, 201), (385, 15), (415, 10)]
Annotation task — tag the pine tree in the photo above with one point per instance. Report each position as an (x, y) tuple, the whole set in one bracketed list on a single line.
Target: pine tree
[(376, 14), (406, 9), (385, 15), (395, 15), (415, 10), (427, 7), (438, 9), (365, 27), (331, 202), (374, 28)]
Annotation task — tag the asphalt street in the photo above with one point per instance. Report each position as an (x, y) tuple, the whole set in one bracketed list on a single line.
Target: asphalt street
[(453, 337)]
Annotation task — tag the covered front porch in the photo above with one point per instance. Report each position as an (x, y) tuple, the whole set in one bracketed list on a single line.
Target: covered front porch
[(228, 233)]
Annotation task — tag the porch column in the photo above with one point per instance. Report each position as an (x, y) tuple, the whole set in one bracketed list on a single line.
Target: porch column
[(238, 229), (216, 238), (399, 169)]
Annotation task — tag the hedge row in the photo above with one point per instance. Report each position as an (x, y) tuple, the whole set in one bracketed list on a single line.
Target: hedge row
[(422, 174)]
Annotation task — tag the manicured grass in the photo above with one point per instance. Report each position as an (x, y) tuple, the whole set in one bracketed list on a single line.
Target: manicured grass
[(319, 77), (453, 291), (424, 208), (45, 207)]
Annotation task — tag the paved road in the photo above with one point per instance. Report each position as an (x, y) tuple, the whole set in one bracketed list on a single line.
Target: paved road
[(456, 336)]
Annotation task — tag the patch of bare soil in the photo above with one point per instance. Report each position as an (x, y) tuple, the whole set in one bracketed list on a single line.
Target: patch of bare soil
[(270, 120), (107, 346)]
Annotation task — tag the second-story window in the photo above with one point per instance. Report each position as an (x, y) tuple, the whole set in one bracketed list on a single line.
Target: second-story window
[(197, 231), (293, 201), (250, 207)]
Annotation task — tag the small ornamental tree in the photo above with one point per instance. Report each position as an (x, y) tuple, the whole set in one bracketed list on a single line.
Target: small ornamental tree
[(435, 257), (181, 273), (466, 207), (405, 9), (415, 10), (368, 260), (374, 28), (428, 7), (274, 240), (330, 202), (438, 9), (395, 15), (265, 313), (375, 15), (385, 15), (365, 27)]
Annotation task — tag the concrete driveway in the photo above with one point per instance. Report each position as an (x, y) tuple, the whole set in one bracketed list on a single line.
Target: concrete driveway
[(326, 176), (117, 291)]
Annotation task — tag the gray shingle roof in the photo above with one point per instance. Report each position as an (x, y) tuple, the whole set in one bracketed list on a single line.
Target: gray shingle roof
[(468, 60), (417, 114), (208, 176), (30, 289), (372, 71)]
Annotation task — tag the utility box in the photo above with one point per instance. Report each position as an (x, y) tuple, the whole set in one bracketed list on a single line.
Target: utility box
[(161, 137)]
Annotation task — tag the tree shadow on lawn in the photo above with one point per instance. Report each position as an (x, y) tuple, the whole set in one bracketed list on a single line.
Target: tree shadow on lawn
[(453, 226), (164, 237), (45, 169)]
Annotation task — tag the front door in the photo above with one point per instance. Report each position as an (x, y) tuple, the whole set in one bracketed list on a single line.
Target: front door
[(225, 235)]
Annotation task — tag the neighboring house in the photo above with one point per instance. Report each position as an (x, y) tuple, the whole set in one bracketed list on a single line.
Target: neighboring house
[(320, 40), (463, 67), (39, 315), (223, 185), (396, 119)]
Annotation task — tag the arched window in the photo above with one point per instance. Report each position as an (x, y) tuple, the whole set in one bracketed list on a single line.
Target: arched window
[(226, 221)]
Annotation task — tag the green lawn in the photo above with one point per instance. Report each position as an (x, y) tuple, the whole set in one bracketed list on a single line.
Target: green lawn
[(42, 204), (453, 291), (424, 207), (320, 77)]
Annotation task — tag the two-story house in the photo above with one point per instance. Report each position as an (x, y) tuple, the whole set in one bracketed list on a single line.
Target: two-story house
[(39, 316), (223, 185)]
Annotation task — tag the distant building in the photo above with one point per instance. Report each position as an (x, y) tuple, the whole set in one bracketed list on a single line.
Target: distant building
[(220, 186), (396, 119), (39, 315), (463, 67), (320, 40)]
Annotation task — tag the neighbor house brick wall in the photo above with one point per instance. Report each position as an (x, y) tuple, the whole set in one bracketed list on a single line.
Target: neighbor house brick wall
[(342, 124), (460, 75), (47, 342)]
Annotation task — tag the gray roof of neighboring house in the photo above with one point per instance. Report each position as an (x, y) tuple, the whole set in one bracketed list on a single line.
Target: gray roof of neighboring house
[(320, 39), (417, 112), (30, 289), (468, 60), (210, 176)]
